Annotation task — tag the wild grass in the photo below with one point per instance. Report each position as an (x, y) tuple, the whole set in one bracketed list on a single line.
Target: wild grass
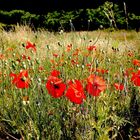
[(32, 113)]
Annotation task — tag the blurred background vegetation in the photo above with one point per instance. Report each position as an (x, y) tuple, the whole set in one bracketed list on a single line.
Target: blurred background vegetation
[(83, 15)]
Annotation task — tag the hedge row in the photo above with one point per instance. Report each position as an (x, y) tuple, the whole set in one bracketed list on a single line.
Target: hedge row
[(106, 15)]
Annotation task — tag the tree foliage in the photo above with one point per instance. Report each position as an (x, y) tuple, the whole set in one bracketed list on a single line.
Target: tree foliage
[(107, 15)]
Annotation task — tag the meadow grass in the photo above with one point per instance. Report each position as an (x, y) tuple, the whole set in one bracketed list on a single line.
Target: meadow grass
[(32, 113)]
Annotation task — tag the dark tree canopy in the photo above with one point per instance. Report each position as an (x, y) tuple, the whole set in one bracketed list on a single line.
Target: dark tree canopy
[(42, 6), (56, 14)]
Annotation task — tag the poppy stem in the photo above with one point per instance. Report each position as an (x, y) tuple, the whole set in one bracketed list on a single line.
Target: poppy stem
[(2, 69), (96, 118)]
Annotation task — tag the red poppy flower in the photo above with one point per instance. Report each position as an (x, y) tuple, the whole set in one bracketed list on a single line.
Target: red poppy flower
[(136, 78), (52, 61), (21, 80), (74, 62), (89, 65), (29, 58), (55, 86), (103, 71), (23, 56), (69, 47), (75, 92), (130, 53), (30, 45), (76, 52), (55, 55), (40, 68), (91, 48), (95, 85), (136, 62), (55, 73), (119, 86), (1, 56)]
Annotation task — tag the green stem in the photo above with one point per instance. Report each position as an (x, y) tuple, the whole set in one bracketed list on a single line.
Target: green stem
[(96, 117)]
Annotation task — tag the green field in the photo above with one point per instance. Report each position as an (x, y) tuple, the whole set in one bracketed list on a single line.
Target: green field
[(69, 86)]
